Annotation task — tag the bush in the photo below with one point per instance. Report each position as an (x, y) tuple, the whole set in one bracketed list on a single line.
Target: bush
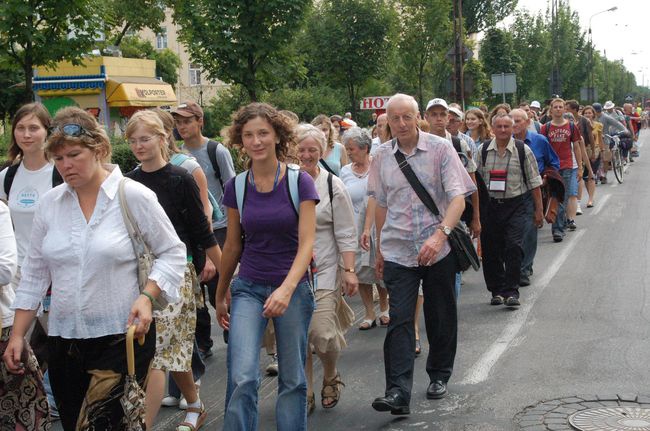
[(122, 155)]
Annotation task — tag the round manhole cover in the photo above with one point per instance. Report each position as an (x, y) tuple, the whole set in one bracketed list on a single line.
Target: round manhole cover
[(612, 419)]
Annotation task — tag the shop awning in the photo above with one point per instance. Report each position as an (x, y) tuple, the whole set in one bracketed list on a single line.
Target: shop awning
[(138, 91)]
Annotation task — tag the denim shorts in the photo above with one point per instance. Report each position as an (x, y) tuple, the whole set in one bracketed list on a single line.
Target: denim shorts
[(570, 177)]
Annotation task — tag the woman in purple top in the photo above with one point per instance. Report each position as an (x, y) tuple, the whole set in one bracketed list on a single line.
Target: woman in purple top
[(274, 254)]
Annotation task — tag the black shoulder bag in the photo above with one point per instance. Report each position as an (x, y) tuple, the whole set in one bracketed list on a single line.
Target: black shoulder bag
[(459, 239)]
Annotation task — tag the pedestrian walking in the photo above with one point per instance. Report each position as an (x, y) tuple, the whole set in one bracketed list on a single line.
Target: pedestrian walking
[(335, 157)]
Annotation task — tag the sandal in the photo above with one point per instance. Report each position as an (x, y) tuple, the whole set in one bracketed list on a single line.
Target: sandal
[(384, 318), (367, 324), (187, 426), (311, 404), (332, 390)]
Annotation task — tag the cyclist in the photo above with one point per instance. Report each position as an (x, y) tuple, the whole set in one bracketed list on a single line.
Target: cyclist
[(610, 127)]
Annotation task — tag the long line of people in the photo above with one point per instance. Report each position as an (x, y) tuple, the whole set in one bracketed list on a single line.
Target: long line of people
[(297, 240)]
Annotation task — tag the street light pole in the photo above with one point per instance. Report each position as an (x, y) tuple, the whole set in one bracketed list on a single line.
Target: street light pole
[(592, 90)]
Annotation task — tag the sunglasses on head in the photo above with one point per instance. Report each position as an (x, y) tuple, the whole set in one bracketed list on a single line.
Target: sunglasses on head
[(72, 130)]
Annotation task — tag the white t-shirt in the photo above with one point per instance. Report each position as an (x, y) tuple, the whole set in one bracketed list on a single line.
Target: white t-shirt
[(26, 192)]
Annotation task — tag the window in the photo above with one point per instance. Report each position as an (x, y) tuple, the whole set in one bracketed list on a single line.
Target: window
[(195, 74), (161, 39)]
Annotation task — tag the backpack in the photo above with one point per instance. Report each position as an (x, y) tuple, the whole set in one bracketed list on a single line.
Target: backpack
[(293, 175), (522, 158), (547, 126), (483, 194), (13, 169), (180, 158), (212, 155)]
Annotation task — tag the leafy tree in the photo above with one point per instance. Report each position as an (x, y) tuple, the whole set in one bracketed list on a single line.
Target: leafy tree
[(481, 84), (241, 42), (122, 16), (498, 55), (167, 61), (42, 32), (11, 95), (481, 15), (347, 42)]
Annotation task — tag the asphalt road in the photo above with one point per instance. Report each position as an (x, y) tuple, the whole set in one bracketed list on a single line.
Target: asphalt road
[(582, 329)]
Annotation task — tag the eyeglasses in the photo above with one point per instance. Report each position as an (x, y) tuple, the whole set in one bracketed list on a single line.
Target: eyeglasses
[(143, 140), (72, 130)]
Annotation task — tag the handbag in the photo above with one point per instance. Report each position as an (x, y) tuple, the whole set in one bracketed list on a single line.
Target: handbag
[(606, 155), (141, 249), (459, 239)]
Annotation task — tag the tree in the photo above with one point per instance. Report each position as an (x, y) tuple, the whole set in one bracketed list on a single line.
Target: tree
[(11, 95), (481, 14), (42, 32), (498, 55), (167, 61), (347, 42), (240, 42), (425, 36), (122, 16)]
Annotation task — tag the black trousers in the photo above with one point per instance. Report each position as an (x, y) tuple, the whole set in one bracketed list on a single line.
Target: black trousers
[(203, 321), (503, 226), (440, 316)]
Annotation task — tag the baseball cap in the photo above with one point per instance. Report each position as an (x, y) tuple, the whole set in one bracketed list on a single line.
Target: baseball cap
[(347, 123), (456, 112), (535, 104), (608, 105), (597, 107), (188, 109), (437, 102)]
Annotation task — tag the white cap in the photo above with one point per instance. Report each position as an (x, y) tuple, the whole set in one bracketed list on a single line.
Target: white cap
[(457, 112), (535, 104), (608, 105), (437, 102)]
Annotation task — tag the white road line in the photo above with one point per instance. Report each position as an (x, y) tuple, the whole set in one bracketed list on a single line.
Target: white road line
[(601, 204), (480, 371)]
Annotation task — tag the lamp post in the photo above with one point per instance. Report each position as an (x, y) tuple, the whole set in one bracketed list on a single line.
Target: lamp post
[(591, 52)]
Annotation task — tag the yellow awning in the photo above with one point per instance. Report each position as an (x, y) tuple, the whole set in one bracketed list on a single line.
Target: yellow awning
[(138, 91)]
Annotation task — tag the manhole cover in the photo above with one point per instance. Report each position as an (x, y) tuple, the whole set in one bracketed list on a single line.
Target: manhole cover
[(612, 419)]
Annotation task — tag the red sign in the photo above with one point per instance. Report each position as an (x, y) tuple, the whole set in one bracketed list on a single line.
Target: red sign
[(375, 102)]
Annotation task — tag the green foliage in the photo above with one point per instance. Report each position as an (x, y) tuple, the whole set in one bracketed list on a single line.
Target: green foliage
[(122, 155), (239, 42), (482, 84), (498, 55), (121, 16), (480, 15), (36, 33), (218, 113), (167, 61), (347, 42), (308, 102), (11, 95)]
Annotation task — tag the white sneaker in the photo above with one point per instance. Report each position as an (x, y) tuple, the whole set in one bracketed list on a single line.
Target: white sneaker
[(169, 401), (579, 210)]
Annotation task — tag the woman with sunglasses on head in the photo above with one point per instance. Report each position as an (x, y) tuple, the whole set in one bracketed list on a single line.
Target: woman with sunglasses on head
[(272, 239), (179, 196), (80, 245), (22, 185)]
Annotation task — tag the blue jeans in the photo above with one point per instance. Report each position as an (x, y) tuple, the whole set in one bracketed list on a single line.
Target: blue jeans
[(570, 189), (247, 327), (529, 243)]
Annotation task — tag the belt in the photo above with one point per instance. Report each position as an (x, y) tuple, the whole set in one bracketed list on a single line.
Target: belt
[(500, 201)]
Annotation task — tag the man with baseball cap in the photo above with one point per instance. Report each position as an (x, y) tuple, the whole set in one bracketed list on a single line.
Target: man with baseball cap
[(456, 117), (216, 162)]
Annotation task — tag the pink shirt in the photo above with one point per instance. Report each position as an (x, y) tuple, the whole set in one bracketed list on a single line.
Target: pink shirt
[(408, 222)]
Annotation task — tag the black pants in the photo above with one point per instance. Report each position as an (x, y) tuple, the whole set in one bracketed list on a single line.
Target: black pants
[(440, 321), (203, 324), (503, 225), (87, 378)]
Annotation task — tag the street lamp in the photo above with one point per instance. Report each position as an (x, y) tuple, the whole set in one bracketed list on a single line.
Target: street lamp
[(591, 52)]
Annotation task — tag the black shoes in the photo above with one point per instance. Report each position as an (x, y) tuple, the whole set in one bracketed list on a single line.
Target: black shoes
[(497, 300), (557, 237), (392, 403), (524, 280), (512, 302), (436, 390)]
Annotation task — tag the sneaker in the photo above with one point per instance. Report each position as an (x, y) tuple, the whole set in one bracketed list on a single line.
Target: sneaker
[(579, 210), (524, 280), (557, 237), (512, 302), (272, 369), (169, 401), (496, 300), (571, 224), (603, 180)]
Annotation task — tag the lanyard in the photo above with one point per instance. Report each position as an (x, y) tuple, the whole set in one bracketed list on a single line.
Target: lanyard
[(496, 156), (275, 182)]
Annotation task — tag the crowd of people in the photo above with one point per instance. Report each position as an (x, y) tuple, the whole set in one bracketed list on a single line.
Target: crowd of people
[(323, 210)]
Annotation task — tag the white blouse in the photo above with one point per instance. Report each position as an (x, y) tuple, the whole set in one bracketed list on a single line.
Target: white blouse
[(7, 266), (91, 265)]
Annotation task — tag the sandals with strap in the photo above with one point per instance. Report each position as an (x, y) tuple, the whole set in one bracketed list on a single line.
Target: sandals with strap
[(311, 404), (384, 318), (187, 426), (331, 390)]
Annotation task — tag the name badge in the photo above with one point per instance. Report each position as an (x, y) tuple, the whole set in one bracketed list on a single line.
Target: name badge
[(498, 180)]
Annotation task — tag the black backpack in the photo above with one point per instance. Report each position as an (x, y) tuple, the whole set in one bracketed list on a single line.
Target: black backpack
[(522, 158), (212, 154), (13, 169)]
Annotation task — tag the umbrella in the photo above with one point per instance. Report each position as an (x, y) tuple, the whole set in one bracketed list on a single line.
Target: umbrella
[(133, 398)]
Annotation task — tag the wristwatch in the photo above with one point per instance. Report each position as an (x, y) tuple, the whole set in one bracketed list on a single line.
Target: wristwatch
[(351, 270), (445, 229)]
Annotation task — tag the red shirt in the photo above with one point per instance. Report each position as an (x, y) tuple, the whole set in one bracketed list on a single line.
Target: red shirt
[(560, 138)]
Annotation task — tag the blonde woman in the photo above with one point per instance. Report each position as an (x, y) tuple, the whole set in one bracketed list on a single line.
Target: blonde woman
[(334, 157)]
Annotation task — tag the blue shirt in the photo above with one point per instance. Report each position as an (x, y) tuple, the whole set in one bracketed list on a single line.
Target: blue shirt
[(542, 150)]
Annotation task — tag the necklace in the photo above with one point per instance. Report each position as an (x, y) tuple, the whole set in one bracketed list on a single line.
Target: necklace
[(275, 181)]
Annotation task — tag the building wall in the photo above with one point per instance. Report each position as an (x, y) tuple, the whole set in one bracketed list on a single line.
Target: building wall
[(185, 90)]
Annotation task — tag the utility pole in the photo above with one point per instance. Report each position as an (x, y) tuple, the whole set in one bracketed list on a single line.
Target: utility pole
[(556, 80), (458, 53)]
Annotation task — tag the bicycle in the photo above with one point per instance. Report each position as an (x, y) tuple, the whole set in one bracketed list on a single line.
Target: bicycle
[(617, 160)]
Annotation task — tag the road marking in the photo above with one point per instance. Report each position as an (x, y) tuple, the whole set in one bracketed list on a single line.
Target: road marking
[(480, 371), (601, 204)]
